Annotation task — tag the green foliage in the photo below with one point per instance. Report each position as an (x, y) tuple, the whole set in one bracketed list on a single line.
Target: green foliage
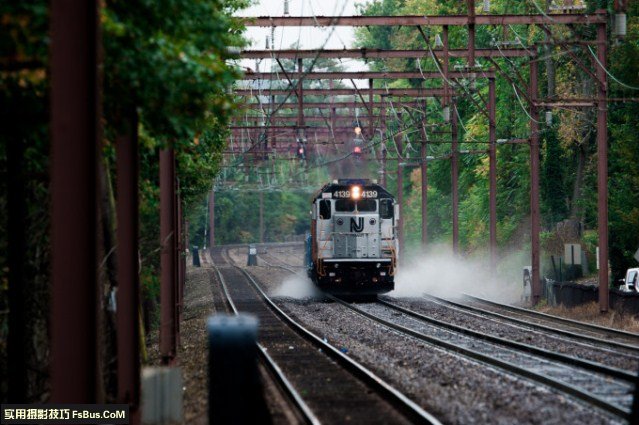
[(237, 216), (566, 145)]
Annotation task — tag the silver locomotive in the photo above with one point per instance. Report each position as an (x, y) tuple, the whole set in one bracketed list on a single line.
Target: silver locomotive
[(352, 247)]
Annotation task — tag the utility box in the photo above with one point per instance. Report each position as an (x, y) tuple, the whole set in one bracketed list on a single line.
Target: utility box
[(196, 256), (527, 281), (235, 390), (161, 395), (573, 260), (572, 254), (252, 255)]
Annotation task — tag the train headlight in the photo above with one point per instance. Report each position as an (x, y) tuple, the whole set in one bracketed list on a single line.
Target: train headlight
[(356, 192)]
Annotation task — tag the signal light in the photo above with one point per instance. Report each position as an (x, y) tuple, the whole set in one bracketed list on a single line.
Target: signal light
[(357, 150), (301, 150)]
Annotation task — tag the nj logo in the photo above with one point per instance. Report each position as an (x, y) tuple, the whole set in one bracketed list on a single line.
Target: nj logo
[(357, 226)]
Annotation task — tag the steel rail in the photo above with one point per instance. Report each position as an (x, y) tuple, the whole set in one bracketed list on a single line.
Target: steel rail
[(276, 372), (427, 20), (411, 409), (584, 339), (584, 326), (569, 360), (507, 366)]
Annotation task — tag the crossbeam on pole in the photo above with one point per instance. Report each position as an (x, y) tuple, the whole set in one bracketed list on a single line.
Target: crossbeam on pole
[(364, 75), (346, 92), (381, 53), (429, 20)]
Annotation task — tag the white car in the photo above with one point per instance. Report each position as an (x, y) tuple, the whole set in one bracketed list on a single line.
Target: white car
[(631, 281)]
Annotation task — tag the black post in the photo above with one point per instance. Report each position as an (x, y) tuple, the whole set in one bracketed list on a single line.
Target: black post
[(235, 392), (196, 256), (634, 416)]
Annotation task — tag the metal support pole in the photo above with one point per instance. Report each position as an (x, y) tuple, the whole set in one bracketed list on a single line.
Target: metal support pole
[(454, 170), (300, 96), (17, 236), (400, 190), (383, 172), (471, 34), (445, 65), (187, 234), (179, 248), (272, 137), (424, 172), (534, 185), (492, 155), (261, 217), (128, 295), (383, 146), (212, 219), (602, 169), (75, 141), (168, 329), (371, 101)]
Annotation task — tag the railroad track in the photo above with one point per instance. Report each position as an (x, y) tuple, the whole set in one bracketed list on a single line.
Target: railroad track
[(298, 406), (560, 325), (583, 346), (313, 367), (608, 388), (598, 385)]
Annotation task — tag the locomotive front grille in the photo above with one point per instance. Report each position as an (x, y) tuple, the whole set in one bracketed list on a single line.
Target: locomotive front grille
[(356, 236)]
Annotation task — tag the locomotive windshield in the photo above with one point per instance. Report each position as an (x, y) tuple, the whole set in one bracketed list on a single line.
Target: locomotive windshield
[(367, 205), (348, 205), (344, 205)]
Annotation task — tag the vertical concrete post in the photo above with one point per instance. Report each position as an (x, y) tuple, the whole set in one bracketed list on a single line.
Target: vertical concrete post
[(75, 142), (492, 155), (602, 168), (168, 343), (128, 296)]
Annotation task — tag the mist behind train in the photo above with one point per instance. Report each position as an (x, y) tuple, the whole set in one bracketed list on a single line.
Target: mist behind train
[(298, 287), (440, 273)]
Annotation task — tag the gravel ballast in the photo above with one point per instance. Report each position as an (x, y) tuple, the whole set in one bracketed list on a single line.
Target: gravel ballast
[(455, 389)]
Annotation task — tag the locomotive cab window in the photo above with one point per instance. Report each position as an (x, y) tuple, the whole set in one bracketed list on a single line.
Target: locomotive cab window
[(366, 205), (344, 205), (386, 208), (324, 209)]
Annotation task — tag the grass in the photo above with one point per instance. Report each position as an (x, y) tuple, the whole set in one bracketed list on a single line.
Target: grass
[(590, 313)]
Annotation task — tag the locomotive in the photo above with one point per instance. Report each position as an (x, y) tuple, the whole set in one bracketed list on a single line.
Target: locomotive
[(352, 247)]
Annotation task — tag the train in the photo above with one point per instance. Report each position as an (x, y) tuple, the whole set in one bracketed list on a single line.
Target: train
[(352, 247)]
